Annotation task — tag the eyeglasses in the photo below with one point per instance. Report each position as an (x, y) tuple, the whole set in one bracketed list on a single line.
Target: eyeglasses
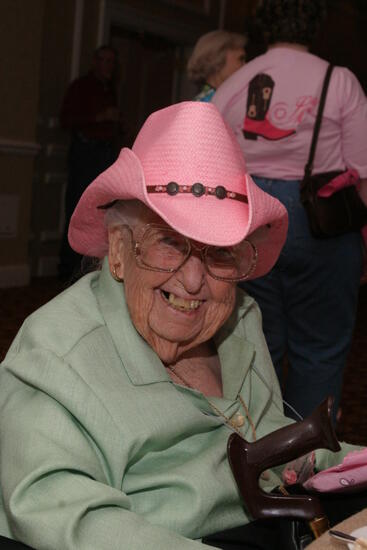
[(163, 249)]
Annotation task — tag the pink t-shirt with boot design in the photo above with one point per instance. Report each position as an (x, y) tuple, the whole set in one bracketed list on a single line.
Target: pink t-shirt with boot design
[(271, 104)]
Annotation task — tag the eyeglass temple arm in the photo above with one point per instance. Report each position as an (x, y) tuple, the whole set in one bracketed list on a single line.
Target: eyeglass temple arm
[(249, 460)]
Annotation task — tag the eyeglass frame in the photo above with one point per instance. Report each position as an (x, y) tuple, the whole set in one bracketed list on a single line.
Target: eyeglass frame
[(191, 248)]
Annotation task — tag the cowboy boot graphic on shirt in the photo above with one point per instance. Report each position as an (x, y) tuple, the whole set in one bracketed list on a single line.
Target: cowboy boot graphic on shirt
[(258, 102)]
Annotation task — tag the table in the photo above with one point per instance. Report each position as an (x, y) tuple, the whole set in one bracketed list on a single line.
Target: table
[(326, 542)]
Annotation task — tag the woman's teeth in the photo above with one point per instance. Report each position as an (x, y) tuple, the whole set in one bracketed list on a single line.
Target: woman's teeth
[(182, 304)]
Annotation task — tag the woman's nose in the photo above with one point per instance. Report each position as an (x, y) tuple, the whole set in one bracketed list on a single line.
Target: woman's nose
[(192, 274)]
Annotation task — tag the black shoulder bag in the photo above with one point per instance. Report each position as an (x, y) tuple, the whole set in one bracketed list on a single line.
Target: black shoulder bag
[(339, 213)]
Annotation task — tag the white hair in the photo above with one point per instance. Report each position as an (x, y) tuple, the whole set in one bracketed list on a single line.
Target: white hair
[(125, 213), (209, 54)]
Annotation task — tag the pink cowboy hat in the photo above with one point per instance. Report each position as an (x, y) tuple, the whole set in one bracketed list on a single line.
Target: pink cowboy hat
[(186, 166)]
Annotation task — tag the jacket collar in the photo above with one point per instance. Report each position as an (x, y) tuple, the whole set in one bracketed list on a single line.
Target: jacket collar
[(140, 361)]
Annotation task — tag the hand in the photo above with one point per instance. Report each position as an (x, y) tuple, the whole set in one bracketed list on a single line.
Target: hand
[(299, 470)]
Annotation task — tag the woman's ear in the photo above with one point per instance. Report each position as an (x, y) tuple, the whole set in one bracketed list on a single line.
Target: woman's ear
[(116, 252)]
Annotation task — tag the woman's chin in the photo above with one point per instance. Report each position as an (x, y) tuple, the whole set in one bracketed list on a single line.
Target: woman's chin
[(170, 339), (170, 351), (167, 352)]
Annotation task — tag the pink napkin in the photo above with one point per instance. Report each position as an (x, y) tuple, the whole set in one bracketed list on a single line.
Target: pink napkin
[(346, 179), (350, 475)]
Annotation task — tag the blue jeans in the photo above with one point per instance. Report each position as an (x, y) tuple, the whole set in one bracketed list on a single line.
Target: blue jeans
[(308, 303)]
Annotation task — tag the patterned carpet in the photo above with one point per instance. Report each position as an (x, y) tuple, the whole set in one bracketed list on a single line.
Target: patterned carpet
[(17, 303)]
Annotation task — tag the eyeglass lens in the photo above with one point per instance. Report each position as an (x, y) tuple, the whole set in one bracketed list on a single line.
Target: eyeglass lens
[(165, 249)]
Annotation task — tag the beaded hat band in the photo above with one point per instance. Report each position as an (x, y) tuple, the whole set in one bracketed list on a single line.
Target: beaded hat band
[(198, 190)]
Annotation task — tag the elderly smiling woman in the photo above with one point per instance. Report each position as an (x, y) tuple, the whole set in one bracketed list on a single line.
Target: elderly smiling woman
[(118, 396)]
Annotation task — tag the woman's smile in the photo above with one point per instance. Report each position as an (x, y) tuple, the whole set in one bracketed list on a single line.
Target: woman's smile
[(186, 305)]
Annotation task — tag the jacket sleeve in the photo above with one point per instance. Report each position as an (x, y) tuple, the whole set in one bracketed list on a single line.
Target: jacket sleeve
[(58, 490)]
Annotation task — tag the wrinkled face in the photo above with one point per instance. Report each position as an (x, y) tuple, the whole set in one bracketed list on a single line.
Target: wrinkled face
[(173, 312), (234, 61)]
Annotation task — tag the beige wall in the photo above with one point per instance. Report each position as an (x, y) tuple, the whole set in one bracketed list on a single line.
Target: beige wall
[(50, 174), (56, 54), (20, 44), (89, 42), (16, 173), (21, 24)]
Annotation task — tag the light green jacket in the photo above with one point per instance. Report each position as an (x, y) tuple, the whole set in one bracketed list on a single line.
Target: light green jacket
[(99, 449)]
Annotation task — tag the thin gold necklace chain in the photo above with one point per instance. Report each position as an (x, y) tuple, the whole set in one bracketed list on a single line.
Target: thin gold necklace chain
[(219, 412)]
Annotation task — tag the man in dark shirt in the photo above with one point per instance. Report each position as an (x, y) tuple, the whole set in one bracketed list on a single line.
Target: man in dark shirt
[(89, 110)]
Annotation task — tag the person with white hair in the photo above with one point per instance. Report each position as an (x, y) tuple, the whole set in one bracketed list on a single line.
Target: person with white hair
[(216, 55)]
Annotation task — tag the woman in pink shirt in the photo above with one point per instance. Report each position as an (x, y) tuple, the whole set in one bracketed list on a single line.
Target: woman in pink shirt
[(309, 299)]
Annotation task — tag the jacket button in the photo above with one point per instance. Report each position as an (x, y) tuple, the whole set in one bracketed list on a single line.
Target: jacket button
[(238, 420)]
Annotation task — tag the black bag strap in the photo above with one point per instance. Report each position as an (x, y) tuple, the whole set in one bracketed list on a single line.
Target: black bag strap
[(316, 130)]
